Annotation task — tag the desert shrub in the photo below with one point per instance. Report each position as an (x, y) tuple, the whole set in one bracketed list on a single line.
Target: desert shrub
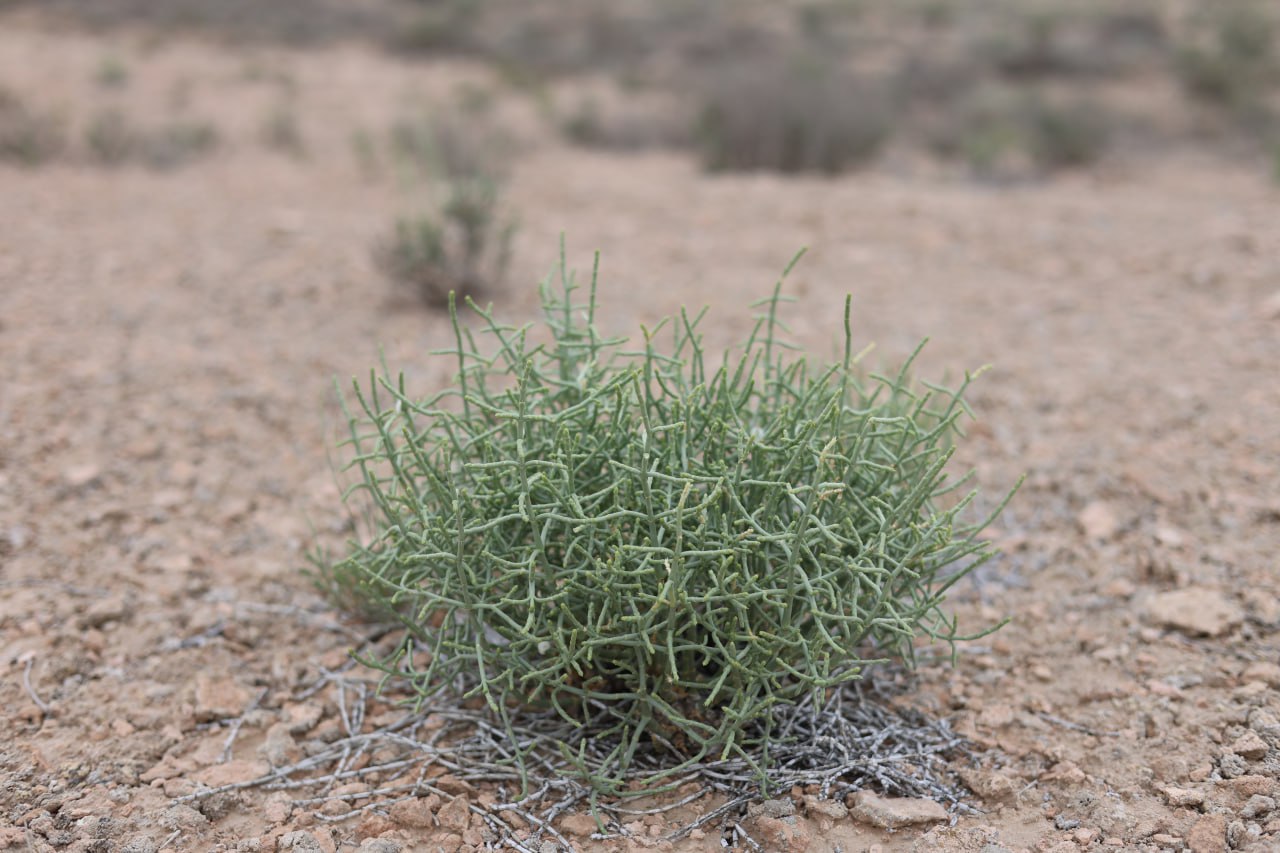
[(449, 147), (111, 138), (628, 126), (461, 240), (178, 143), (28, 137), (789, 116), (112, 73), (1231, 63), (462, 248), (440, 25), (282, 132), (1004, 134), (1066, 135), (649, 542)]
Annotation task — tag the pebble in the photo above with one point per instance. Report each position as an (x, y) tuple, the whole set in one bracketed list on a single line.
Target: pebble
[(300, 841), (456, 814), (989, 784), (1250, 746), (1231, 765), (232, 772), (1183, 797), (417, 813), (380, 845), (279, 747), (996, 716), (580, 825), (80, 476), (825, 808), (1266, 725), (780, 807), (1085, 837), (110, 609), (1064, 771), (895, 812), (1258, 806), (1208, 835), (219, 698), (1264, 671), (1198, 611), (1098, 521), (1247, 786), (782, 835)]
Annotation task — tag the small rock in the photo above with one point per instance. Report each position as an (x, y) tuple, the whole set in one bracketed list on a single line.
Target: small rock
[(1252, 784), (783, 835), (1085, 837), (373, 825), (110, 609), (1266, 725), (180, 787), (825, 808), (279, 747), (1183, 797), (996, 716), (302, 717), (232, 772), (1250, 746), (456, 814), (416, 813), (450, 843), (894, 812), (1065, 823), (1208, 835), (1197, 611), (219, 698), (139, 845), (1065, 771), (81, 476), (1264, 671), (1098, 521), (299, 841), (1258, 806), (776, 808), (1236, 834), (277, 808), (184, 818), (989, 784), (1200, 772), (580, 825), (1231, 765), (455, 786), (380, 845)]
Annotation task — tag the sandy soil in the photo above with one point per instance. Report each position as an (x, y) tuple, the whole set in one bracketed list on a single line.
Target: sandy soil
[(168, 347)]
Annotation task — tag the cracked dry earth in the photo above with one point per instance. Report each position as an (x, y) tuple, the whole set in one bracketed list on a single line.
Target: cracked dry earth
[(168, 343)]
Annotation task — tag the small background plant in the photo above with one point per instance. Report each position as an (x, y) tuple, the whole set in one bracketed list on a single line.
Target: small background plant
[(461, 243), (790, 115), (662, 549), (28, 137)]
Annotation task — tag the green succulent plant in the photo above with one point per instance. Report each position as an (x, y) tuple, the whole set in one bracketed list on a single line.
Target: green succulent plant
[(650, 541)]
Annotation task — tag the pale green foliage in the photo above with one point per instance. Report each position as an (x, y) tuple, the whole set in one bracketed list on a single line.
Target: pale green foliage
[(655, 543)]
